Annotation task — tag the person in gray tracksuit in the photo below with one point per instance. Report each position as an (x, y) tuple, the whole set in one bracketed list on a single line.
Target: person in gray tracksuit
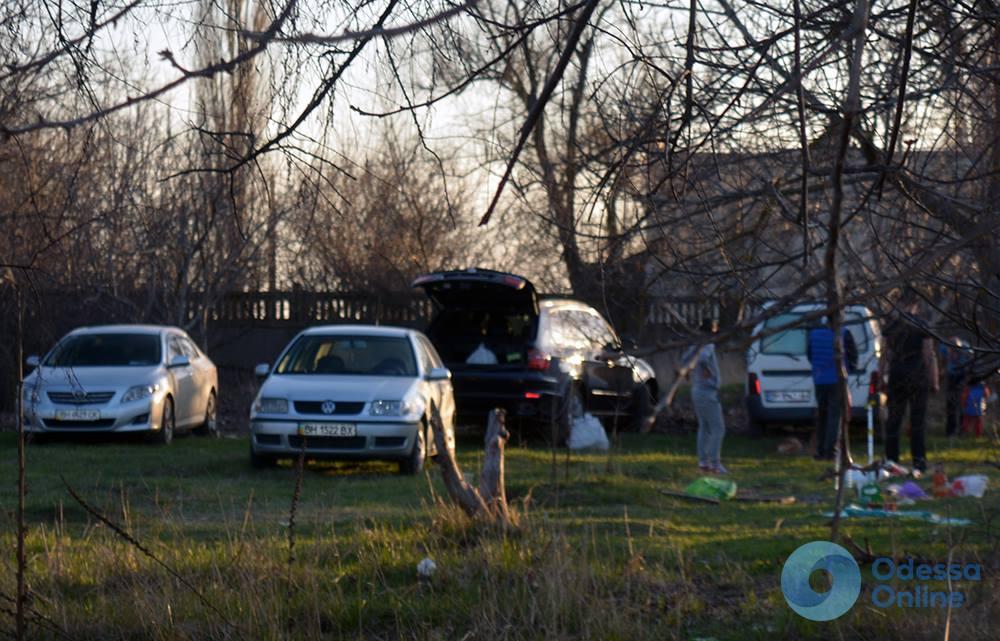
[(705, 380)]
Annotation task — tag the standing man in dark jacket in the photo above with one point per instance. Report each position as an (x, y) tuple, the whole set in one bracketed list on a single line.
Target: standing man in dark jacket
[(909, 361), (829, 402), (957, 358)]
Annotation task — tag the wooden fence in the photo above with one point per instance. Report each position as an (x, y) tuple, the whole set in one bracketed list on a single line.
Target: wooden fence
[(224, 323), (300, 307)]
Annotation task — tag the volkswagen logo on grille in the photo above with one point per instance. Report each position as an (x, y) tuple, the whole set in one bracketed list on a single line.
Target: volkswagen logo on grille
[(79, 395), (328, 407)]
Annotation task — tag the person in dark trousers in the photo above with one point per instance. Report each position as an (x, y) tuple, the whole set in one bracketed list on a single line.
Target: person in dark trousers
[(829, 402), (908, 359), (956, 357)]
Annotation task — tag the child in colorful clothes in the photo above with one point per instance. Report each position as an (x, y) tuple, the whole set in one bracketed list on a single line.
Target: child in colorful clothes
[(974, 407)]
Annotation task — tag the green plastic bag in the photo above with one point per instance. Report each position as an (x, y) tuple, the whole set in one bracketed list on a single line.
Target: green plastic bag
[(712, 488)]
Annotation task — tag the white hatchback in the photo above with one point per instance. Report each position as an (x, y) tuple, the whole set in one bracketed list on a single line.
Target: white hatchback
[(779, 385), (352, 392)]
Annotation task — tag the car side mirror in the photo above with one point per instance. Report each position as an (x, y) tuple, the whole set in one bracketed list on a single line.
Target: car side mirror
[(262, 370), (32, 361), (179, 361), (439, 374)]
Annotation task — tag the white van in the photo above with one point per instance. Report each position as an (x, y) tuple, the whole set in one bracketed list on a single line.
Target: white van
[(779, 385)]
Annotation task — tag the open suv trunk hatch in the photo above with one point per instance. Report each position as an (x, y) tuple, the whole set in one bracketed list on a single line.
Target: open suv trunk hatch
[(481, 307)]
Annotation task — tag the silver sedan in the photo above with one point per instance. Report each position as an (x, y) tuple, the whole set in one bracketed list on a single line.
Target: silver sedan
[(352, 392), (122, 379)]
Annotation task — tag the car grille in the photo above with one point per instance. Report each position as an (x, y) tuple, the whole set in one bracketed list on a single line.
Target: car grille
[(389, 441), (345, 408), (90, 398), (329, 442), (55, 422)]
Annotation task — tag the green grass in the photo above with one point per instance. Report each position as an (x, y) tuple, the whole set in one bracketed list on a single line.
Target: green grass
[(598, 553)]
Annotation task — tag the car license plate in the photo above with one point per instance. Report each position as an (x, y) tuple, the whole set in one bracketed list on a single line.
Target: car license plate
[(328, 429), (78, 415), (787, 397)]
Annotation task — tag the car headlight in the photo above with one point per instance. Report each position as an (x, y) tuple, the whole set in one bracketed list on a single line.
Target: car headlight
[(385, 408), (29, 399), (271, 406), (30, 395), (139, 392), (408, 407)]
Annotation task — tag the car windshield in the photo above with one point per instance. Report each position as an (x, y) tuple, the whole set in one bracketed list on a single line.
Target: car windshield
[(793, 341), (106, 350), (354, 355)]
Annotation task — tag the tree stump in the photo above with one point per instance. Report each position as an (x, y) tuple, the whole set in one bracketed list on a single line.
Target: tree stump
[(491, 480), (490, 499)]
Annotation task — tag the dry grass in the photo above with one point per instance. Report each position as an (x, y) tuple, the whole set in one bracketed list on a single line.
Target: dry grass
[(600, 555)]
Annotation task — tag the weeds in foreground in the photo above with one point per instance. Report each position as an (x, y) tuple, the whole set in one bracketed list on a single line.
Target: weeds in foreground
[(605, 561)]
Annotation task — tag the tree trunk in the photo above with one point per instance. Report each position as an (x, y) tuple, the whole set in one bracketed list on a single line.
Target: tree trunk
[(851, 111)]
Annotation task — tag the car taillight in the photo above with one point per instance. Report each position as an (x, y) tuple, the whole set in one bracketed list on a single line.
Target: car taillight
[(873, 385), (753, 384), (538, 359), (513, 281)]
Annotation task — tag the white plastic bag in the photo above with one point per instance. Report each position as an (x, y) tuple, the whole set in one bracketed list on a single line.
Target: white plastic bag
[(588, 433), (482, 356), (426, 568), (974, 485), (857, 478)]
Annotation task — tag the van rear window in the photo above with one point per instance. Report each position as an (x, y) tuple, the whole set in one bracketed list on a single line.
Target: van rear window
[(793, 341)]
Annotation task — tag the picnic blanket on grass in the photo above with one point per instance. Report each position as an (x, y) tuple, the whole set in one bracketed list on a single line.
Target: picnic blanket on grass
[(854, 510)]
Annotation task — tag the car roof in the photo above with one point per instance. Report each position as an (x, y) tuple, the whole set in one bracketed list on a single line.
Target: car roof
[(811, 305), (475, 274), (563, 303), (368, 330), (126, 329)]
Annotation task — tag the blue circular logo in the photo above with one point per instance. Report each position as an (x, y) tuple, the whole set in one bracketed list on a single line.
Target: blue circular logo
[(844, 574)]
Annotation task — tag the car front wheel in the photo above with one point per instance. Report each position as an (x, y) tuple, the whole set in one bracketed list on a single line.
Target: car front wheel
[(261, 461), (642, 407), (414, 463), (165, 435)]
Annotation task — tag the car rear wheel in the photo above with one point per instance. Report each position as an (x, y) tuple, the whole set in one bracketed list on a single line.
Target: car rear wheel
[(569, 410), (414, 463), (210, 427), (165, 435)]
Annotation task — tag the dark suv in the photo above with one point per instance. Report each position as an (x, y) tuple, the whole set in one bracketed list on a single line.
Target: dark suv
[(544, 359)]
